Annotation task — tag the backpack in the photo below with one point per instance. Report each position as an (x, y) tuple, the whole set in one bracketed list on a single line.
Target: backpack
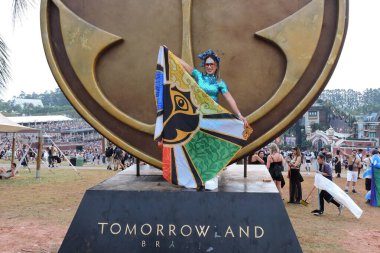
[(109, 152), (118, 153)]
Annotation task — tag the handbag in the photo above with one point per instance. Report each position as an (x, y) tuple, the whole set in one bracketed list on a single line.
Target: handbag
[(351, 167)]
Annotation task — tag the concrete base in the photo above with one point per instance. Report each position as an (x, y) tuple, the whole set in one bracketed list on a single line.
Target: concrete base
[(146, 214)]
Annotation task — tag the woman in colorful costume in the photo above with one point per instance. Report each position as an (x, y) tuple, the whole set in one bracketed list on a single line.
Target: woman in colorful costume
[(198, 136), (210, 81)]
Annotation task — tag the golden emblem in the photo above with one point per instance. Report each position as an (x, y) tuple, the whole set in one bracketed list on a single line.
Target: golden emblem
[(276, 58)]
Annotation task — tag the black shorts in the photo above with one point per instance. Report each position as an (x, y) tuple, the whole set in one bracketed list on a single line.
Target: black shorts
[(368, 184)]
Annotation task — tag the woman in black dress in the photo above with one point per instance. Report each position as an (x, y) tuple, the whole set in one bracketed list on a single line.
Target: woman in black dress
[(295, 195), (258, 158), (337, 163), (275, 164)]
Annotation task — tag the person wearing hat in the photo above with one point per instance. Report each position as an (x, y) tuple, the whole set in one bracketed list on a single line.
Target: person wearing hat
[(210, 81), (109, 156)]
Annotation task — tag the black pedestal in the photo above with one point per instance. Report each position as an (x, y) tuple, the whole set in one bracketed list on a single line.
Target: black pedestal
[(145, 214)]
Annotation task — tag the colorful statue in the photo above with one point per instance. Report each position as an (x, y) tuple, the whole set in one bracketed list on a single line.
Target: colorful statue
[(199, 136)]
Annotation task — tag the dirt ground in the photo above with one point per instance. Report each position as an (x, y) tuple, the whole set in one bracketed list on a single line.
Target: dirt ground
[(333, 233), (36, 213)]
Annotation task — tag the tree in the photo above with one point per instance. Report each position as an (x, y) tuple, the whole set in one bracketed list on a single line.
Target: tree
[(54, 102), (4, 64), (316, 126), (18, 9), (351, 102), (306, 145)]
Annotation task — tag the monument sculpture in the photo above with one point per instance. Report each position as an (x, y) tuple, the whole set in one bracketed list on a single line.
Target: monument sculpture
[(277, 55)]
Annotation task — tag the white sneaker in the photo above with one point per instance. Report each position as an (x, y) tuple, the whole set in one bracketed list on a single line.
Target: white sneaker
[(212, 184), (340, 209)]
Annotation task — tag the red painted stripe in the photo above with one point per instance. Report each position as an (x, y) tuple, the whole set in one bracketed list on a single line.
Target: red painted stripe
[(166, 164)]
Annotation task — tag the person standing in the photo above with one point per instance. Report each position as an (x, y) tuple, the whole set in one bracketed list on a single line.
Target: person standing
[(258, 158), (353, 167), (337, 161), (360, 156), (326, 171), (54, 153), (24, 156), (50, 156), (295, 179), (117, 158), (109, 156), (211, 83), (275, 165), (308, 158)]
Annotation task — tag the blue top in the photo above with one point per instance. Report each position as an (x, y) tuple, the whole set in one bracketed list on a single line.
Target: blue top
[(210, 84)]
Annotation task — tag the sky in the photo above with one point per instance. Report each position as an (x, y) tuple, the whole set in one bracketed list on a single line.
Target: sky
[(358, 67)]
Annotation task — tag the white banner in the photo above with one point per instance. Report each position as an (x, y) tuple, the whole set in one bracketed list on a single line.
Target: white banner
[(339, 195)]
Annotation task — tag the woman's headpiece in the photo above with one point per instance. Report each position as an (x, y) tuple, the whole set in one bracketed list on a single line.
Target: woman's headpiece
[(203, 56)]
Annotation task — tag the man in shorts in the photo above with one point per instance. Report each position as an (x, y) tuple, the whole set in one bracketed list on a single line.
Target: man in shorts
[(352, 173), (308, 158)]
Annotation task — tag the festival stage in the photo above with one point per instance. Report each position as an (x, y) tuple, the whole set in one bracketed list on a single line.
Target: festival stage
[(129, 213)]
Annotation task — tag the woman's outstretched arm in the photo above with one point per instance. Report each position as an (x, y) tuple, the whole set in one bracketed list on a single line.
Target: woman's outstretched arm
[(235, 109), (186, 66)]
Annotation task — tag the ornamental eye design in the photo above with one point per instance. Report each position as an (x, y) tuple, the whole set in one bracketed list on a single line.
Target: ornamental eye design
[(181, 103)]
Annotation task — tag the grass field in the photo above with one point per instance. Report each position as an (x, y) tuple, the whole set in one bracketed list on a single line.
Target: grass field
[(36, 213)]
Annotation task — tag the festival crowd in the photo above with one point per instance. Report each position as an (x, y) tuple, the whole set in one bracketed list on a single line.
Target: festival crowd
[(78, 133), (61, 141), (356, 165)]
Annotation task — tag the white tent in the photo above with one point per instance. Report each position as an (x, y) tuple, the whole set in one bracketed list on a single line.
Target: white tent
[(39, 119), (8, 126)]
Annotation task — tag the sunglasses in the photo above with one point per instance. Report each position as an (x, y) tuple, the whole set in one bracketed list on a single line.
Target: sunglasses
[(209, 64)]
